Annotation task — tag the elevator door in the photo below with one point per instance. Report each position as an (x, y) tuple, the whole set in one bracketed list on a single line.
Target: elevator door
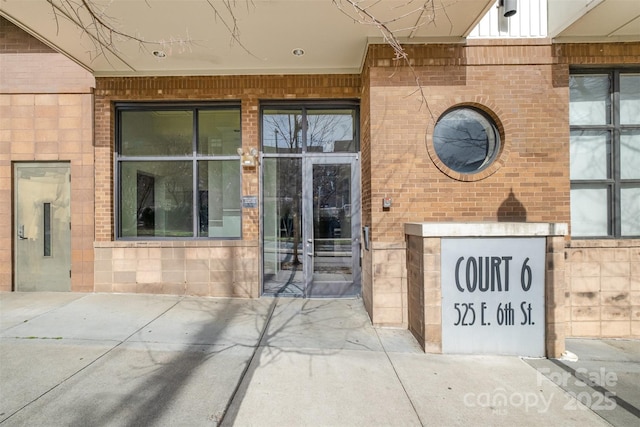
[(42, 227)]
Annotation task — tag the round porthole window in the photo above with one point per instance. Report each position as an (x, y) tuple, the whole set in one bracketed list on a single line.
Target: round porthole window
[(466, 140)]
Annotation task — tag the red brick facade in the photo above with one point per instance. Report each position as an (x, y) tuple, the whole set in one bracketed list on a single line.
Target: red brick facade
[(14, 40), (521, 84), (248, 90)]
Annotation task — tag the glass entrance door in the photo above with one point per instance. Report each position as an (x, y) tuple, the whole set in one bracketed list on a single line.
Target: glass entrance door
[(282, 256), (332, 239), (311, 223)]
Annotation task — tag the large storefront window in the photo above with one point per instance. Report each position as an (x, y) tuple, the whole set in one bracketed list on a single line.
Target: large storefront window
[(178, 171), (604, 115)]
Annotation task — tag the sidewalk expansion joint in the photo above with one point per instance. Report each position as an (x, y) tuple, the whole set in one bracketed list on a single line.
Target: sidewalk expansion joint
[(406, 393), (236, 389)]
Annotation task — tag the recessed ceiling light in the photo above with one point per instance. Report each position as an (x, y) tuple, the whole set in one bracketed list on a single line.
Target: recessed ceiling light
[(159, 54), (298, 51)]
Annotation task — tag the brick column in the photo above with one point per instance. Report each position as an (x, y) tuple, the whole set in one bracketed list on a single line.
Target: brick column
[(555, 308)]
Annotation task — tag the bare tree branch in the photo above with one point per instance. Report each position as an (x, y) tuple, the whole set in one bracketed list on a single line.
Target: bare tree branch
[(232, 27), (104, 32), (361, 11)]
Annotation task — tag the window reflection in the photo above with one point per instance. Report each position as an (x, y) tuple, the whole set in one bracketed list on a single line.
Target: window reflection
[(331, 131), (630, 210), (282, 131), (630, 154), (589, 99), (172, 184), (327, 131), (160, 203), (590, 155), (605, 154), (630, 99), (465, 140)]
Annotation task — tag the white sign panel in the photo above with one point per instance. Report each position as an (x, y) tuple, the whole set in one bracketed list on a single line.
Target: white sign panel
[(493, 296)]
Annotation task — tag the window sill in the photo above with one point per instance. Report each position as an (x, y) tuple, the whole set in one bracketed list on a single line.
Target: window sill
[(175, 243), (604, 243)]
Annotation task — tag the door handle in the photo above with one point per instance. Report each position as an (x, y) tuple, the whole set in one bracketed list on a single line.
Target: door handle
[(21, 232), (310, 247)]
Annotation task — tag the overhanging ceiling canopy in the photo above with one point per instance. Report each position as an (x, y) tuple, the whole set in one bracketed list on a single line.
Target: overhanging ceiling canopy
[(227, 37), (215, 37), (594, 20)]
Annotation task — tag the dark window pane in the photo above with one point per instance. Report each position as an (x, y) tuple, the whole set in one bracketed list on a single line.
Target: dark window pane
[(219, 132), (156, 133), (156, 199), (219, 201), (465, 140), (47, 229)]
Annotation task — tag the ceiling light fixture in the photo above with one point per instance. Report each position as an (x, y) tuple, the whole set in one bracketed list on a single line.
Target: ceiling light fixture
[(159, 54), (298, 51)]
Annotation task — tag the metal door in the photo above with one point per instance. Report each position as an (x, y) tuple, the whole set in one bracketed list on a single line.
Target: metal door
[(42, 222)]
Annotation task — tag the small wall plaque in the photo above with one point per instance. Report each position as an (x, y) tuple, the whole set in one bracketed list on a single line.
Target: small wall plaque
[(249, 201)]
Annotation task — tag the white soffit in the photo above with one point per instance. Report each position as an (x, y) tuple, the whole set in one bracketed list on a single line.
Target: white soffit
[(594, 20), (197, 41)]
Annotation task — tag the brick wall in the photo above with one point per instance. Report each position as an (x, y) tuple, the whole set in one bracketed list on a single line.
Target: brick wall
[(15, 40), (45, 115), (215, 268), (603, 276), (520, 87), (211, 268), (30, 66), (249, 90), (603, 287), (42, 73), (532, 167), (365, 166), (597, 54), (524, 85)]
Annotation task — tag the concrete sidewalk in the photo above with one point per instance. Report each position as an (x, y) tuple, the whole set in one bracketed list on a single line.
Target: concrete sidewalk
[(135, 360)]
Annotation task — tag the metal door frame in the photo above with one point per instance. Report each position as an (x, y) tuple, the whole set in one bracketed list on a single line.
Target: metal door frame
[(308, 162), (17, 235)]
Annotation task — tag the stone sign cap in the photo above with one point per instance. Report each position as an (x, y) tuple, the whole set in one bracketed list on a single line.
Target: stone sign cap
[(485, 229)]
